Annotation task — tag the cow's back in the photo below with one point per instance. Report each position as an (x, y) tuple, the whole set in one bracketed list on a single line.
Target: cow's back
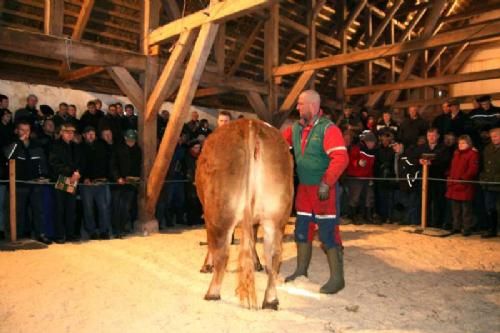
[(245, 163)]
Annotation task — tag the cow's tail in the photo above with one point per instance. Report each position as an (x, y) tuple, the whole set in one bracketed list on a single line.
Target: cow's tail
[(246, 280)]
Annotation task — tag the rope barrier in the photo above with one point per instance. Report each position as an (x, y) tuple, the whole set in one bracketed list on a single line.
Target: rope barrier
[(46, 182)]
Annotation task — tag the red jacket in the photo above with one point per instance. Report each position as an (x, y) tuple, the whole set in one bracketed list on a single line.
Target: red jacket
[(464, 166), (361, 163)]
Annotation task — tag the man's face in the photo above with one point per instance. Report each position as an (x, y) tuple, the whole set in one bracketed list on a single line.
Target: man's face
[(112, 110), (72, 111), (194, 116), (413, 112), (370, 144), (386, 141), (89, 136), (119, 109), (454, 108), (48, 127), (32, 101), (98, 105), (397, 147), (485, 105), (92, 108), (445, 107), (307, 110), (107, 136), (23, 132), (347, 112), (67, 135), (130, 142), (432, 137), (495, 137), (63, 109), (450, 140), (165, 115), (4, 104), (6, 117), (129, 111), (196, 149), (386, 117), (223, 120)]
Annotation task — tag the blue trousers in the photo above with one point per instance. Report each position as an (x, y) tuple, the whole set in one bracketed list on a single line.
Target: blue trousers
[(100, 196)]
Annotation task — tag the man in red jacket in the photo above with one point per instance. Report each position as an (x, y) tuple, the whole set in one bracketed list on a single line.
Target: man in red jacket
[(320, 157)]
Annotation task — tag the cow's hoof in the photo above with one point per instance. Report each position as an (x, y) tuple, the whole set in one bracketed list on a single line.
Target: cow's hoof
[(212, 297), (207, 269), (258, 267), (273, 305)]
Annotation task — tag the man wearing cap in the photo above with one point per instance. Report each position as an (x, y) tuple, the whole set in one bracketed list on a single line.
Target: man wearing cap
[(321, 158), (94, 189), (458, 119), (65, 159), (443, 121), (349, 120), (125, 170)]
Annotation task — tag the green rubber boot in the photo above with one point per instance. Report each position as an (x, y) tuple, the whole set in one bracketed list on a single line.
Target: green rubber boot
[(304, 253), (336, 263)]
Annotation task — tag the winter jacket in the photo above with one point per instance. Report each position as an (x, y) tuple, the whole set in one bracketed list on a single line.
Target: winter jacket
[(114, 123), (64, 159), (440, 164), (361, 161), (96, 160), (126, 161), (31, 162), (491, 168), (411, 129), (408, 168), (384, 166), (89, 119), (392, 127), (464, 166)]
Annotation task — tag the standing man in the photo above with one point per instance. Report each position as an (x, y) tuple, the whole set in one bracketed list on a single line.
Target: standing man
[(66, 159), (31, 165), (412, 127), (321, 158)]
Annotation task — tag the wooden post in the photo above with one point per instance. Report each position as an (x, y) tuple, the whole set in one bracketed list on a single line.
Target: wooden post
[(12, 196), (271, 55), (425, 182), (342, 70)]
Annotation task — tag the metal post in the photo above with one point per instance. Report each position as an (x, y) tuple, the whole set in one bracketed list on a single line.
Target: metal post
[(12, 201)]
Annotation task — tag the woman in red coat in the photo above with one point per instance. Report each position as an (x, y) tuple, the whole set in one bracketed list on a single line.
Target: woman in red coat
[(464, 166)]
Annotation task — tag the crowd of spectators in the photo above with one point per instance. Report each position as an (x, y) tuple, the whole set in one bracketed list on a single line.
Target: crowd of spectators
[(382, 183), (99, 150)]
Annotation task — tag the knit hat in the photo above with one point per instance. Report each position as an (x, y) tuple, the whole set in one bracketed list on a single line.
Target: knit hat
[(368, 136)]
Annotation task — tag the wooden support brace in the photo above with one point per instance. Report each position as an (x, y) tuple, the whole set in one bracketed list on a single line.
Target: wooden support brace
[(182, 103), (257, 103), (127, 85)]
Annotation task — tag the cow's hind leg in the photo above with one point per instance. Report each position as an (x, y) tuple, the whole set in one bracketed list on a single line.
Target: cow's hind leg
[(219, 249), (256, 261), (273, 236)]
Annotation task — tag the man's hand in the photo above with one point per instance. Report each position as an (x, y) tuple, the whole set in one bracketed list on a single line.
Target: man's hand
[(323, 191), (121, 181)]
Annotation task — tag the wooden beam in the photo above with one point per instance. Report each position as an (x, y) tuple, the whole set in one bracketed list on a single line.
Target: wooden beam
[(437, 101), (212, 91), (217, 13), (305, 31), (341, 15), (430, 28), (477, 32), (180, 110), (271, 55), (165, 85), (257, 103), (455, 57), (171, 8), (54, 47), (353, 15), (311, 37), (244, 50), (82, 73), (414, 21), (54, 17), (435, 56), (127, 85), (294, 93), (82, 20), (220, 48), (381, 27), (440, 80)]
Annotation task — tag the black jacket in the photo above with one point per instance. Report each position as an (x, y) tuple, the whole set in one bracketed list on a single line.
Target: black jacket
[(126, 161), (408, 168), (32, 116), (384, 166), (89, 119), (64, 159), (96, 160), (383, 128), (411, 129), (440, 164), (6, 133), (114, 123), (31, 162), (129, 122)]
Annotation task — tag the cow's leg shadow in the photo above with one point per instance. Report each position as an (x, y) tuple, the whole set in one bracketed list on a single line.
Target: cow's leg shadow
[(272, 251), (219, 241)]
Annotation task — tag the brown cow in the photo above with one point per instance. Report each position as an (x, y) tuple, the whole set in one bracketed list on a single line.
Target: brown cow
[(244, 176)]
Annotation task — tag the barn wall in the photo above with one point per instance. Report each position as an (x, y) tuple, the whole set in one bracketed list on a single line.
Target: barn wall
[(52, 96), (480, 61)]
